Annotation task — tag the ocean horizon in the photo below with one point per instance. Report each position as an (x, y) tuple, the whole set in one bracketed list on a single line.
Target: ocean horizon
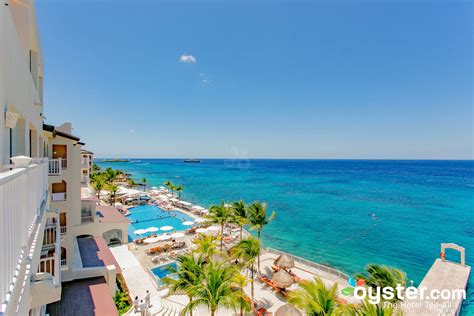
[(324, 206)]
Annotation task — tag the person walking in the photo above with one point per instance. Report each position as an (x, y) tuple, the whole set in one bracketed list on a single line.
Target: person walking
[(143, 308), (135, 304), (148, 299)]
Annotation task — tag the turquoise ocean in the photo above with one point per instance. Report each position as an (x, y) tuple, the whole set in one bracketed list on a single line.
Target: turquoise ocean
[(324, 207)]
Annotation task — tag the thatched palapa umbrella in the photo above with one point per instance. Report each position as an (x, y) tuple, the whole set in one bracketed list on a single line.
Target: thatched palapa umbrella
[(285, 262), (288, 310), (282, 279)]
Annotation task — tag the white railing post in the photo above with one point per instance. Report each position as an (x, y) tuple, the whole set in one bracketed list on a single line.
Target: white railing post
[(57, 253)]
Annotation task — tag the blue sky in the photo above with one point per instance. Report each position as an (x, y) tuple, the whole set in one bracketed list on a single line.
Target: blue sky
[(282, 79)]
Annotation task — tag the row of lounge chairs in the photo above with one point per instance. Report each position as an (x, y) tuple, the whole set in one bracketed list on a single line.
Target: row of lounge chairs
[(192, 230), (140, 240), (166, 257), (166, 247)]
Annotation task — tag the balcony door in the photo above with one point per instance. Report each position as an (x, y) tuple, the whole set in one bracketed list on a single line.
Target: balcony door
[(60, 151)]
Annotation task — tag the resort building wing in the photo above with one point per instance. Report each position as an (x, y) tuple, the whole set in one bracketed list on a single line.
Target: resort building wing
[(50, 230)]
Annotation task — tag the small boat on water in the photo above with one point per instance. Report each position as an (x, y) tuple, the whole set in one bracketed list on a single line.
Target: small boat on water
[(192, 161)]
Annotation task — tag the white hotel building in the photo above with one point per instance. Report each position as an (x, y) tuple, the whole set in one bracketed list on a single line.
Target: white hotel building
[(53, 254)]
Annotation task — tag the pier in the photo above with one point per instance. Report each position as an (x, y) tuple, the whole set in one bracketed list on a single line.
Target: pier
[(445, 276)]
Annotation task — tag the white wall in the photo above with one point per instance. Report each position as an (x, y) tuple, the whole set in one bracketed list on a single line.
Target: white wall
[(18, 92)]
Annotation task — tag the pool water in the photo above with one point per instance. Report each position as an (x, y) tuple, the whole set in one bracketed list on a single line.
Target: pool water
[(145, 216), (163, 271)]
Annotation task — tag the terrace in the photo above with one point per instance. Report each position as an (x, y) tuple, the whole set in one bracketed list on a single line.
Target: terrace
[(86, 297)]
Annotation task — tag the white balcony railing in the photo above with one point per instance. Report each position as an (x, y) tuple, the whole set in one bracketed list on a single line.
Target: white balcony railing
[(63, 230), (22, 194), (46, 265), (54, 167), (57, 197), (63, 163), (49, 235)]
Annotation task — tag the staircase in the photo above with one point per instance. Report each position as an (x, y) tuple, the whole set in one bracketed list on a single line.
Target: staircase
[(169, 308)]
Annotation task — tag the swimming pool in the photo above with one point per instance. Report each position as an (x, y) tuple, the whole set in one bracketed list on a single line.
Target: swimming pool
[(163, 271), (144, 216)]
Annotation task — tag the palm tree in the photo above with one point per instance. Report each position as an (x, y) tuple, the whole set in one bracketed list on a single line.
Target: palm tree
[(247, 250), (383, 276), (239, 214), (179, 189), (169, 185), (257, 215), (206, 246), (110, 175), (98, 184), (220, 214), (144, 181), (131, 182), (217, 289), (188, 275), (241, 281), (314, 298), (113, 188), (368, 309), (95, 167)]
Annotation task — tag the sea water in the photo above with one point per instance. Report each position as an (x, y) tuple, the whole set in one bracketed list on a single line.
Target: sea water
[(343, 213)]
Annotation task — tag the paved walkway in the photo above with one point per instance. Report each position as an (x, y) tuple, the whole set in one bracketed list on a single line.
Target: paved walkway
[(138, 280)]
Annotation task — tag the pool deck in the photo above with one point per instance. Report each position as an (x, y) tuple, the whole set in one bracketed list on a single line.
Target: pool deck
[(136, 264)]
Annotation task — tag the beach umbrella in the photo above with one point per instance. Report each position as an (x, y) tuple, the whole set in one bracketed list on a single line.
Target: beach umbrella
[(200, 220), (154, 188), (285, 261), (188, 223), (166, 228), (213, 228), (151, 240), (152, 229), (288, 310), (282, 279), (140, 231), (163, 237), (201, 230), (177, 235)]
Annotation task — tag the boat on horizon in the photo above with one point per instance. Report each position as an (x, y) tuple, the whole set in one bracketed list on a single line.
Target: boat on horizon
[(192, 161)]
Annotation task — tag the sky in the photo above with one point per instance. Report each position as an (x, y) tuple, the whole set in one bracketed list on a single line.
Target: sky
[(262, 79)]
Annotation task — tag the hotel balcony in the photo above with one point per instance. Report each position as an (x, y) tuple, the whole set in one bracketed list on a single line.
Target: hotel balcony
[(57, 166), (46, 282), (23, 204), (58, 196)]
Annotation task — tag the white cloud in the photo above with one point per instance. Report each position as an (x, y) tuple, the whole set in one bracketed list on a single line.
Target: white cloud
[(204, 81), (187, 59), (131, 131)]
